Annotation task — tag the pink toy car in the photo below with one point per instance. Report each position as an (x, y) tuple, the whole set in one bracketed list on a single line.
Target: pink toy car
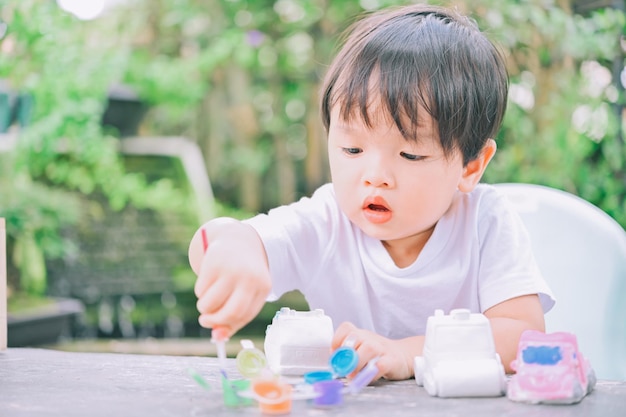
[(550, 369)]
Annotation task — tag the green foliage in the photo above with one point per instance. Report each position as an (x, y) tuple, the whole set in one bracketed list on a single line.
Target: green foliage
[(242, 77), (571, 136), (262, 62), (66, 66), (26, 302), (223, 210), (259, 61), (34, 214)]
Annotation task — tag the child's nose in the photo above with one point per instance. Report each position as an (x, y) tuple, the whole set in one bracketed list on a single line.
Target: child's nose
[(378, 175), (376, 182)]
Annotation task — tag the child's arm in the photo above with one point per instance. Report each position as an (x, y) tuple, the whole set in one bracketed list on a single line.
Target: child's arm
[(233, 274), (509, 319), (396, 356)]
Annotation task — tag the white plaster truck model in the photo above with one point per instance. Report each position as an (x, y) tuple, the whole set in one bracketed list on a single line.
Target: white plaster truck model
[(298, 342), (459, 357)]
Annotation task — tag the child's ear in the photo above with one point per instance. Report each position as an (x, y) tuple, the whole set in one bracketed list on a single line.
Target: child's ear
[(473, 171)]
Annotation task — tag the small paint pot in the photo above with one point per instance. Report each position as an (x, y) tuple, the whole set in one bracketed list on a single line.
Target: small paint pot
[(230, 392), (364, 377), (317, 376), (251, 362), (344, 360), (273, 397), (329, 393)]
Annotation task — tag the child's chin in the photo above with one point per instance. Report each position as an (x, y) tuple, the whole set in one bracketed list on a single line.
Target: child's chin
[(378, 231)]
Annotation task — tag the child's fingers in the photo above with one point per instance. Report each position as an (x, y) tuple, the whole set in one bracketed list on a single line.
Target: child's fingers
[(235, 311), (241, 307), (207, 321), (214, 298), (344, 330), (206, 277), (214, 267)]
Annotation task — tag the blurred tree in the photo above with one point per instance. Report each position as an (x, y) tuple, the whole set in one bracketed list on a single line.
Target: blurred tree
[(251, 71), (65, 67), (242, 78), (561, 129)]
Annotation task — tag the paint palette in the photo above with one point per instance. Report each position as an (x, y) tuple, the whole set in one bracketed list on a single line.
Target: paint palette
[(275, 394)]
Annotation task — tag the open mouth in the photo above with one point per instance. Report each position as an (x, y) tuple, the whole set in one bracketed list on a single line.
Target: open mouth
[(376, 210), (377, 207), (375, 203)]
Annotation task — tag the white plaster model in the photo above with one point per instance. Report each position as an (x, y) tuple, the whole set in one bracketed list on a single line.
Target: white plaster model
[(459, 357), (298, 342)]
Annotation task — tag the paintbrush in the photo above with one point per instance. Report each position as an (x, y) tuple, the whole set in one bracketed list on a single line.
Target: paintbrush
[(218, 334), (198, 378), (219, 338)]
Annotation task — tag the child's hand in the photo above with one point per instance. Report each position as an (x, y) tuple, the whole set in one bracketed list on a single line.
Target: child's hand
[(233, 276), (396, 356)]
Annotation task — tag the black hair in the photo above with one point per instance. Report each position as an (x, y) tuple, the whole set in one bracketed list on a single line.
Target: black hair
[(421, 56)]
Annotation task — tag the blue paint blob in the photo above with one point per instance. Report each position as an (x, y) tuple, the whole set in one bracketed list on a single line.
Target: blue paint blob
[(542, 355)]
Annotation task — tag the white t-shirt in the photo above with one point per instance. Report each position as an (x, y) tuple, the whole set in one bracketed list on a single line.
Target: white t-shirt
[(478, 256)]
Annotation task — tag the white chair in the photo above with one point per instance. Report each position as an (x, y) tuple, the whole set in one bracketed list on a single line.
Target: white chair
[(581, 252)]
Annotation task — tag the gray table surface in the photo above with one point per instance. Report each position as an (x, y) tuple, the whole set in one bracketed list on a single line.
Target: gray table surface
[(41, 382)]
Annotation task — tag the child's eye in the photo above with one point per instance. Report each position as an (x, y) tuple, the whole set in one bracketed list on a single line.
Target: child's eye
[(411, 157), (352, 151)]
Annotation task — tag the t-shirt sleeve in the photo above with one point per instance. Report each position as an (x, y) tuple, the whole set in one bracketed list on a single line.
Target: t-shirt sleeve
[(507, 268), (297, 238)]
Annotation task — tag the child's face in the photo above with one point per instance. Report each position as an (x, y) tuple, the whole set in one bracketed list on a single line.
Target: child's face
[(389, 187)]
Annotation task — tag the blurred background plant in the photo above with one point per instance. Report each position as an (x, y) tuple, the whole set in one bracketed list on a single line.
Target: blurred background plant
[(240, 78), (252, 69)]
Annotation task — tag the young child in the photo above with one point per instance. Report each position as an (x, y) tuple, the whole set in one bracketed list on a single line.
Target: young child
[(411, 105)]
